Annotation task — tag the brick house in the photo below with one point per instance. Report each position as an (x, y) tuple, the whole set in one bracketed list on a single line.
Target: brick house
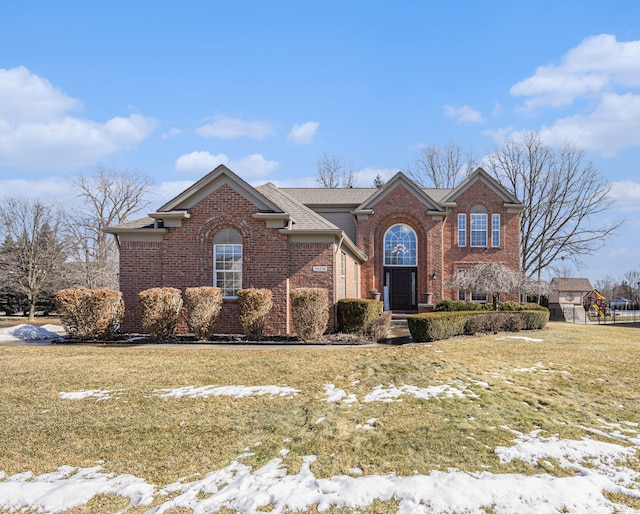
[(399, 239)]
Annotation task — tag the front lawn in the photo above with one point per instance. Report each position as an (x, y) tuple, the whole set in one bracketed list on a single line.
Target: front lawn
[(498, 416)]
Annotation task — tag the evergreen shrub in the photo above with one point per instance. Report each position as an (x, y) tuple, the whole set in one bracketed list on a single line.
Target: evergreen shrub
[(356, 314)]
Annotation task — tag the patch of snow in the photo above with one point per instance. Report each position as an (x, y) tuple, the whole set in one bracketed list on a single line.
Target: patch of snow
[(25, 332), (234, 391), (69, 487), (98, 394), (333, 393), (320, 420), (393, 393), (523, 338), (600, 467)]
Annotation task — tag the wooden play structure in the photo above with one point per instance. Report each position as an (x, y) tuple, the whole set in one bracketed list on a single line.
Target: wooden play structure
[(594, 300)]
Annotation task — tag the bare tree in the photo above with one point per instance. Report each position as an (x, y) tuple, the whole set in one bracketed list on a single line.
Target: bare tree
[(332, 173), (108, 197), (494, 278), (564, 196), (32, 258), (442, 166)]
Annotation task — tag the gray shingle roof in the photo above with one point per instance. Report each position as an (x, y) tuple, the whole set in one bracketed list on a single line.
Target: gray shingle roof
[(345, 196), (571, 284), (305, 218)]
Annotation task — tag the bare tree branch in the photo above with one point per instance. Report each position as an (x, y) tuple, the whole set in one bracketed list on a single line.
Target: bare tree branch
[(109, 197), (563, 194), (332, 173), (442, 166), (32, 256)]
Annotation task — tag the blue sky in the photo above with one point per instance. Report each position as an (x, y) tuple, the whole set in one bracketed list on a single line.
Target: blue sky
[(172, 89)]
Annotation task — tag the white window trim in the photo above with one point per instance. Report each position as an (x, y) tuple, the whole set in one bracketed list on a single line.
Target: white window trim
[(479, 231), (462, 230), (495, 231), (232, 272)]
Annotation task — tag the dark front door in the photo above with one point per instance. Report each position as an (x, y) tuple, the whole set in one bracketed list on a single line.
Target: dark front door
[(402, 288)]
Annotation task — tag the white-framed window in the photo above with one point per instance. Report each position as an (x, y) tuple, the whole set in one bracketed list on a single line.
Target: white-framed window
[(495, 230), (227, 262), (479, 226), (400, 246), (462, 230)]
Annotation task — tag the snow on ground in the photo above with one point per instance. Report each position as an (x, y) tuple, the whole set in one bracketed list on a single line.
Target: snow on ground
[(234, 391), (393, 393), (523, 338), (598, 467), (30, 332), (98, 394)]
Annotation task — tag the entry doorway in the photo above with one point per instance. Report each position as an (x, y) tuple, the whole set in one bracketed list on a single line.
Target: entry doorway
[(402, 284)]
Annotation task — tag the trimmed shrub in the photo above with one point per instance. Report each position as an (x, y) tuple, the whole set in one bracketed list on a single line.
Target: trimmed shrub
[(490, 323), (433, 326), (356, 314), (203, 306), (254, 306), (90, 313), (378, 329), (535, 320), (518, 307), (160, 311), (457, 306), (310, 312), (515, 322)]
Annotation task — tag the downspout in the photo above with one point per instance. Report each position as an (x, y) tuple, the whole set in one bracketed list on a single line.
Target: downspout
[(335, 279)]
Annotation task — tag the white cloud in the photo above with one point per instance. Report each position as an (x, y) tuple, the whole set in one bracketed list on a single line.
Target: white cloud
[(613, 125), (36, 130), (626, 196), (45, 189), (366, 176), (597, 64), (225, 127), (171, 132), (463, 114), (302, 134), (251, 166)]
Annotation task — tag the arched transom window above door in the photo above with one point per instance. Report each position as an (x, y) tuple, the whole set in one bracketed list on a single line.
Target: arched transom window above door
[(400, 246)]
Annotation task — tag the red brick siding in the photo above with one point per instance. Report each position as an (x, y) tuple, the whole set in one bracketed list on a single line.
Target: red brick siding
[(302, 258), (466, 257), (188, 254), (140, 269), (401, 206)]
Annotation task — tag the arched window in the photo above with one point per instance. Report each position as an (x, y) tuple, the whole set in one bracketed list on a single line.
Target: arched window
[(227, 262), (400, 246), (478, 226)]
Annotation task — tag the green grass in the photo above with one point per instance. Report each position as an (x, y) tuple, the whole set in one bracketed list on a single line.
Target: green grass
[(591, 373)]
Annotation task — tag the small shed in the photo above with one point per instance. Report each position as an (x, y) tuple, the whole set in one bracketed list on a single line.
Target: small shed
[(565, 298)]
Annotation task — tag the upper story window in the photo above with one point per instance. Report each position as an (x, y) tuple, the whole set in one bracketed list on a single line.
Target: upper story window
[(495, 230), (400, 246), (462, 230), (478, 226), (227, 262)]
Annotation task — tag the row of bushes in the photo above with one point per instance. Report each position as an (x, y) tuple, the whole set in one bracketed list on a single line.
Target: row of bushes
[(459, 305), (97, 313), (443, 325)]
